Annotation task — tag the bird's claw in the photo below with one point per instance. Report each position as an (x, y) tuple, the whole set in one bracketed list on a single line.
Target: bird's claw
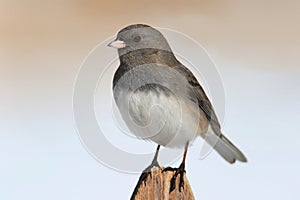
[(146, 172), (178, 171)]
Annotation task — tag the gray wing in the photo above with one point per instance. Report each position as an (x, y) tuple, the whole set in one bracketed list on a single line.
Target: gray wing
[(203, 101), (218, 141)]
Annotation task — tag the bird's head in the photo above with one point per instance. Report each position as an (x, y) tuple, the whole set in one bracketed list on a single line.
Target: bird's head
[(137, 37)]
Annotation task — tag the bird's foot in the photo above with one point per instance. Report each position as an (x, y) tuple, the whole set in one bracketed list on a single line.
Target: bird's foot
[(178, 171), (146, 172)]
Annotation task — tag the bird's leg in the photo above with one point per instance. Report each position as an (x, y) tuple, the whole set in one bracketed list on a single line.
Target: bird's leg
[(180, 170), (146, 172), (154, 162)]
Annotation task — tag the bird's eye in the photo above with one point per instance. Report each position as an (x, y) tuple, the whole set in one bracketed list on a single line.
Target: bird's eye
[(137, 38)]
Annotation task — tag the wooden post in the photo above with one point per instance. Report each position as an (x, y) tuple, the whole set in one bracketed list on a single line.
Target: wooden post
[(157, 187)]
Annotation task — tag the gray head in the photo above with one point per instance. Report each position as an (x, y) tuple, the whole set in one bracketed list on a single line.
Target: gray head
[(139, 36)]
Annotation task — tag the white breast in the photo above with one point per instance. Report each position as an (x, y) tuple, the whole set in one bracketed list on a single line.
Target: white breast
[(166, 119)]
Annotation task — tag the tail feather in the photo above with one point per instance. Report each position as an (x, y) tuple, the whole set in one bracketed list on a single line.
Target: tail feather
[(224, 147)]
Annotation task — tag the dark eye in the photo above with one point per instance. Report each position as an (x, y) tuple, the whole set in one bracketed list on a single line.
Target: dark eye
[(137, 38)]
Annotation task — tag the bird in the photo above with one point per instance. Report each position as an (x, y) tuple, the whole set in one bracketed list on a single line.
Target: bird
[(161, 100)]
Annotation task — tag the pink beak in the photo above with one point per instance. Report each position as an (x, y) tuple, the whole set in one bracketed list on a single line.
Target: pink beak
[(118, 44)]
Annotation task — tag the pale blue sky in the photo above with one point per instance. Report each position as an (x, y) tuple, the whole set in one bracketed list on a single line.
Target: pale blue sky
[(43, 158)]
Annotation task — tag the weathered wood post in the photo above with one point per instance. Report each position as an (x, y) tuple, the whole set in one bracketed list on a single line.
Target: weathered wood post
[(157, 187)]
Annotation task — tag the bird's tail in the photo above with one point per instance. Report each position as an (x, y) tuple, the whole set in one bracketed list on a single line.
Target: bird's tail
[(224, 147)]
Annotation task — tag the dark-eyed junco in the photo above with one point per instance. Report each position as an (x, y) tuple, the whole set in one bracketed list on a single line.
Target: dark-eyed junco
[(160, 99)]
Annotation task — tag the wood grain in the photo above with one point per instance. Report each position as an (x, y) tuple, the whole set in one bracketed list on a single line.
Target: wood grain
[(157, 187)]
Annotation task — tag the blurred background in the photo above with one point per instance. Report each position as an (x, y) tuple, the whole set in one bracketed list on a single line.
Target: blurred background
[(255, 44)]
